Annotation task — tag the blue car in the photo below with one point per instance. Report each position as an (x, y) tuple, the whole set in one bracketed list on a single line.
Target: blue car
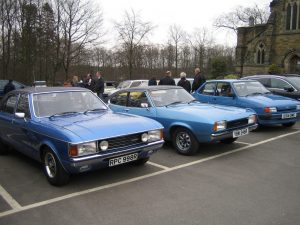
[(70, 130), (271, 109), (186, 121)]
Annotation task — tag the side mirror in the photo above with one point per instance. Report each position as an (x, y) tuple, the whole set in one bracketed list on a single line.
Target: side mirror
[(20, 115), (144, 105), (289, 89)]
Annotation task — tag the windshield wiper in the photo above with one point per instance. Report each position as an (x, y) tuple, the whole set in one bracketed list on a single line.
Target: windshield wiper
[(255, 93), (194, 100), (268, 92), (174, 103), (63, 113), (94, 110)]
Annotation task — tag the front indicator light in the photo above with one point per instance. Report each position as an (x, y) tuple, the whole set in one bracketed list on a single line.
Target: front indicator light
[(220, 125), (155, 135)]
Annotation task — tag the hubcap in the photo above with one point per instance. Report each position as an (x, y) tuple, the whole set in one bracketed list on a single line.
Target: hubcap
[(183, 141), (50, 164)]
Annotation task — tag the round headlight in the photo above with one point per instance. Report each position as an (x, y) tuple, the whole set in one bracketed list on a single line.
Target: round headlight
[(103, 145), (144, 137)]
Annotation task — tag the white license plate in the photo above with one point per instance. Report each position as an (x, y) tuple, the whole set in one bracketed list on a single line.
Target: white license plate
[(238, 133), (123, 159), (288, 115)]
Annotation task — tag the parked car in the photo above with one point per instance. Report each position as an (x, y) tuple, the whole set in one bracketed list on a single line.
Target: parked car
[(40, 83), (129, 84), (70, 130), (270, 108), (286, 84), (186, 121), (17, 84)]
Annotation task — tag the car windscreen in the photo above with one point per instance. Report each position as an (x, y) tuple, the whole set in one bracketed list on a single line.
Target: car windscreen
[(295, 81), (166, 97), (249, 88), (57, 103), (124, 84)]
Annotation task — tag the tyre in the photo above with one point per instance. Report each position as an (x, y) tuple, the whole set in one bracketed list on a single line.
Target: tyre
[(3, 148), (228, 140), (141, 161), (184, 141), (289, 124), (55, 173)]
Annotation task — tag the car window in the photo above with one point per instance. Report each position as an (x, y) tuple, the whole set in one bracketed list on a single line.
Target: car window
[(9, 104), (136, 98), (224, 89), (277, 83), (135, 84), (208, 89), (294, 81), (23, 105), (119, 99), (265, 81)]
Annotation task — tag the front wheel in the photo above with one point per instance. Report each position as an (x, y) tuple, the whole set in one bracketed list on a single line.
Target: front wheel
[(228, 140), (185, 142), (289, 124), (55, 173)]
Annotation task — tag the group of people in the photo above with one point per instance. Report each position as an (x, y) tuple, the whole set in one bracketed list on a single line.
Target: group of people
[(199, 79), (94, 84)]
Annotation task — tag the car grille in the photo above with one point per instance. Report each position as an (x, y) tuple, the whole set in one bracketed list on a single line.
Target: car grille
[(237, 123), (286, 109), (123, 141)]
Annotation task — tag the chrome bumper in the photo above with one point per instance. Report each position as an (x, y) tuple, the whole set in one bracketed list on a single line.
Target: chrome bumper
[(228, 134)]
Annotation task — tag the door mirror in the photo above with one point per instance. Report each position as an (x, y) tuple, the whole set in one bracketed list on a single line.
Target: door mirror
[(289, 89), (20, 115), (144, 105)]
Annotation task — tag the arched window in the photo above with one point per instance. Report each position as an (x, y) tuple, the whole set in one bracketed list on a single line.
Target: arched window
[(260, 54), (291, 16)]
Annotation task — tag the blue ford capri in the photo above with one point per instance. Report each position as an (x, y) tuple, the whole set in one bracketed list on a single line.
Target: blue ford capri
[(187, 122), (70, 130), (271, 109)]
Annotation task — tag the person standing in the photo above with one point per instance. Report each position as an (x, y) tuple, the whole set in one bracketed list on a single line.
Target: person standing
[(199, 79), (184, 82), (9, 87), (89, 82), (99, 85), (167, 80), (152, 82)]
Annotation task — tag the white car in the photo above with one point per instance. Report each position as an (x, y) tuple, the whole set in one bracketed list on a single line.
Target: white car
[(129, 84)]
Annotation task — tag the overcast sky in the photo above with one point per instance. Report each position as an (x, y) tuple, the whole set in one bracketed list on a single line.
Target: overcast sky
[(188, 14)]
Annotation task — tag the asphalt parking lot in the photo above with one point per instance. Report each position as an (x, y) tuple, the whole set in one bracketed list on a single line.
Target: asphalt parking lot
[(253, 181)]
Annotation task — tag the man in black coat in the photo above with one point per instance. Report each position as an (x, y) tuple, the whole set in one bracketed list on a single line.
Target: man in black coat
[(199, 79), (184, 82), (9, 87), (99, 85), (167, 80)]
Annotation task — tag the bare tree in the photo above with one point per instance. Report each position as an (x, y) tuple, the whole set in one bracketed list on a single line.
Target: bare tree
[(177, 35), (240, 17), (81, 25), (132, 31)]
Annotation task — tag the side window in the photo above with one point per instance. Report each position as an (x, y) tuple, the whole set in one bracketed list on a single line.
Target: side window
[(265, 81), (277, 83), (23, 105), (119, 99), (9, 104), (135, 84), (224, 89), (208, 89), (136, 98)]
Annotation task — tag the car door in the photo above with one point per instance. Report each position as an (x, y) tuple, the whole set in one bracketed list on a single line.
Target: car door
[(118, 101), (224, 94), (7, 114), (206, 93), (26, 140), (281, 87)]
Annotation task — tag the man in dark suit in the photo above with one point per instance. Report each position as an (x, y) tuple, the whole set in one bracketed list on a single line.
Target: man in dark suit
[(9, 87), (99, 85), (199, 79), (167, 80)]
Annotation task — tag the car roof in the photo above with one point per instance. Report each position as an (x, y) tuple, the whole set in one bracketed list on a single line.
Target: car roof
[(273, 75), (151, 88), (36, 90), (228, 80)]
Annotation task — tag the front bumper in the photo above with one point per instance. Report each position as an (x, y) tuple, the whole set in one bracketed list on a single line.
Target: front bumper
[(96, 161), (276, 118), (229, 133)]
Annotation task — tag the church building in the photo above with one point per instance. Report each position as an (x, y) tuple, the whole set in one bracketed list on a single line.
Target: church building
[(276, 42)]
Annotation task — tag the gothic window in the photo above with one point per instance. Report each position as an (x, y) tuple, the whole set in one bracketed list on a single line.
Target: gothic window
[(260, 54), (292, 16)]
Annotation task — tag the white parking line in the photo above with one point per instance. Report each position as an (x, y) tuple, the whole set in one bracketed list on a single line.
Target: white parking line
[(243, 143), (17, 208), (158, 165), (9, 199)]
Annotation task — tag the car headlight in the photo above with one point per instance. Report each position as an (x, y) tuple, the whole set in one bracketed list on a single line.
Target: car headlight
[(220, 125), (270, 109), (83, 149), (252, 119), (153, 135), (298, 107)]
